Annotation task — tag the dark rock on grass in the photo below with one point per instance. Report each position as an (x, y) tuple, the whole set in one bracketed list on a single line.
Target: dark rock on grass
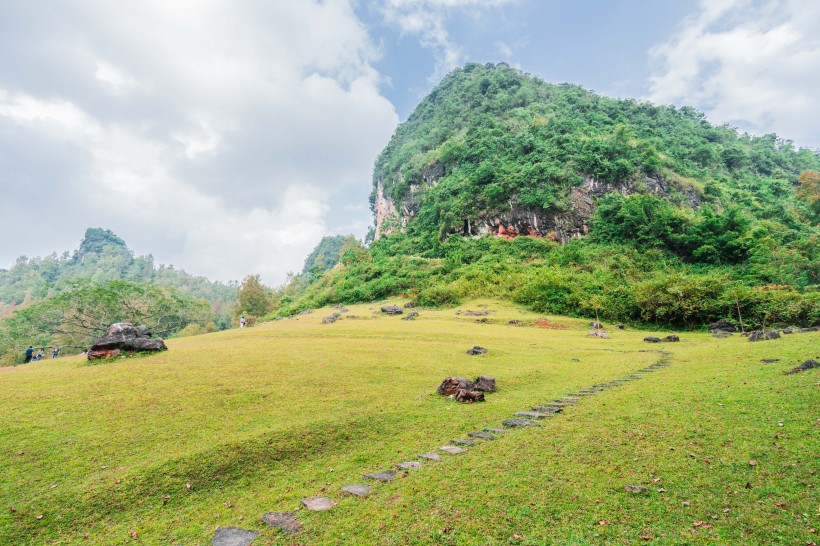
[(652, 339), (477, 350), (468, 397), (718, 334), (485, 383), (636, 488), (519, 423), (670, 339), (358, 490), (806, 330), (283, 520), (515, 322), (409, 305), (463, 442), (723, 325), (384, 476), (599, 333), (596, 325), (482, 435), (233, 536), (451, 385), (759, 335), (411, 315), (469, 313), (547, 409), (318, 504), (123, 336), (805, 366), (331, 319), (770, 360), (494, 430), (391, 310), (303, 313), (620, 326)]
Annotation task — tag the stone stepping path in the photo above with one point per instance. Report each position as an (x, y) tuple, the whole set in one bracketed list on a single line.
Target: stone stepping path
[(283, 520), (318, 504), (287, 521), (384, 476), (356, 489), (233, 536)]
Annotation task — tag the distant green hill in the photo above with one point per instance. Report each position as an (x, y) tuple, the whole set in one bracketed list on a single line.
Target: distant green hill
[(500, 184), (103, 256)]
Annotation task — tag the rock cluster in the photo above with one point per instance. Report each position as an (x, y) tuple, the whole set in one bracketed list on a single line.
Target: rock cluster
[(760, 335), (122, 336), (668, 339), (466, 391)]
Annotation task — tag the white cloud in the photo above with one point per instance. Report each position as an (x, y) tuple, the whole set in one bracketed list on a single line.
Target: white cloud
[(428, 19), (749, 63), (215, 136)]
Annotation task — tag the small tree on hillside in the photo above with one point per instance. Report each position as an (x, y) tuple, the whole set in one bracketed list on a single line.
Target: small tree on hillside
[(254, 298)]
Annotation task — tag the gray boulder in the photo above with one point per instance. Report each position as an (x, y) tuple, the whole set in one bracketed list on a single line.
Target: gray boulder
[(391, 310), (122, 336)]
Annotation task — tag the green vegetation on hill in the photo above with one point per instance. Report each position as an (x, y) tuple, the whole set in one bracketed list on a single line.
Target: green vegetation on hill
[(103, 256), (326, 254), (733, 234), (227, 426)]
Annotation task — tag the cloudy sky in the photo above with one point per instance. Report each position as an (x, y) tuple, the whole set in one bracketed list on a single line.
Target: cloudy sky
[(227, 137)]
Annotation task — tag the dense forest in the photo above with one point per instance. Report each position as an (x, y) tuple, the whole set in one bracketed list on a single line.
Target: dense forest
[(734, 233)]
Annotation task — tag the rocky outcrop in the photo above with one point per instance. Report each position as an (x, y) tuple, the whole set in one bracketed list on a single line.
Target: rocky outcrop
[(122, 336), (561, 226)]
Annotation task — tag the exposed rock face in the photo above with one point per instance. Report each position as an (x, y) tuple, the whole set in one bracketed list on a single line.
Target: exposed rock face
[(452, 384), (122, 336), (561, 226)]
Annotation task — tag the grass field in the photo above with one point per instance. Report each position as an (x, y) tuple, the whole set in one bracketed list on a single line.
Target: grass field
[(227, 426)]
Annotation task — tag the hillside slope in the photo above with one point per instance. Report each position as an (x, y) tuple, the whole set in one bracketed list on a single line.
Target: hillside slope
[(225, 427)]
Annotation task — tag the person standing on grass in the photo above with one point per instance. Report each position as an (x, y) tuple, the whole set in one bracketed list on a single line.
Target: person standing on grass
[(29, 353), (242, 322), (55, 352)]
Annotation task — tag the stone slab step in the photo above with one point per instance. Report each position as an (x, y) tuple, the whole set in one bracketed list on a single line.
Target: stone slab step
[(548, 409), (531, 414), (463, 442), (383, 476), (482, 435), (452, 450), (356, 489), (519, 423), (409, 465), (494, 430), (318, 504), (233, 536), (283, 520), (432, 456)]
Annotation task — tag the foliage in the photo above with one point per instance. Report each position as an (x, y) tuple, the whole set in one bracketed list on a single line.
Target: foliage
[(83, 310), (326, 254), (102, 256), (254, 298)]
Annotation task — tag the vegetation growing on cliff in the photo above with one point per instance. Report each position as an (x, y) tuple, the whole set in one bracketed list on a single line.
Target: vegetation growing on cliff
[(492, 137)]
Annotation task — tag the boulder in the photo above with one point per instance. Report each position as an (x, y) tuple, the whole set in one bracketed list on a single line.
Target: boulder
[(599, 333), (620, 326), (723, 325), (477, 350), (122, 336), (759, 335), (411, 315), (409, 305), (469, 313), (515, 322), (652, 339), (485, 383), (670, 339), (451, 385), (596, 325), (391, 309), (807, 365), (468, 397)]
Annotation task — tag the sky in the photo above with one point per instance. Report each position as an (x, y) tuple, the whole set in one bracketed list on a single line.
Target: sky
[(226, 138)]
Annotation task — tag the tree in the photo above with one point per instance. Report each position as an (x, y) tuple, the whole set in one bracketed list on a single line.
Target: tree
[(254, 297)]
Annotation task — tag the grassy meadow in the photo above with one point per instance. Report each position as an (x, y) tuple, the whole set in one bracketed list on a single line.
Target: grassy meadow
[(224, 427)]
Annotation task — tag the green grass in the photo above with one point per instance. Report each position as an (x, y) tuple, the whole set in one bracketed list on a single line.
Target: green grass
[(256, 419)]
